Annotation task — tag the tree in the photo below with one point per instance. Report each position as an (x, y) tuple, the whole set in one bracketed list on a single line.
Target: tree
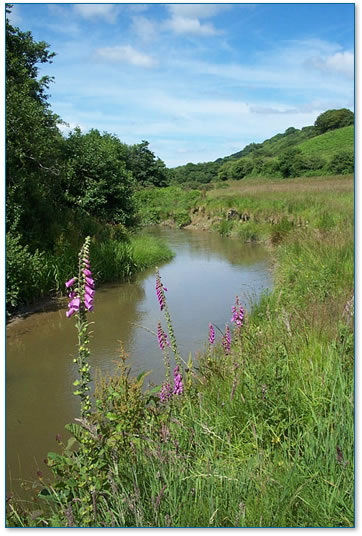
[(342, 163), (287, 161), (332, 119), (146, 168), (33, 141), (241, 168), (97, 179)]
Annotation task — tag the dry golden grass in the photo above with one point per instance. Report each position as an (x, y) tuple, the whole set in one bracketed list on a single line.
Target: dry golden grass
[(304, 185)]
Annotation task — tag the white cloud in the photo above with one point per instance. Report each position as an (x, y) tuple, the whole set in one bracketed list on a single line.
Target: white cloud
[(108, 12), (185, 18), (197, 10), (185, 25), (340, 62), (125, 54)]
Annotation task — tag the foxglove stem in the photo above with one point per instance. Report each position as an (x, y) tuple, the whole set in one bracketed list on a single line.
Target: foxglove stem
[(81, 301), (211, 334), (163, 305), (238, 313), (163, 342), (226, 340)]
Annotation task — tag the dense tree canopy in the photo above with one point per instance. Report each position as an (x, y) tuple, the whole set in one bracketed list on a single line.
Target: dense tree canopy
[(146, 168), (33, 141), (96, 178), (332, 119)]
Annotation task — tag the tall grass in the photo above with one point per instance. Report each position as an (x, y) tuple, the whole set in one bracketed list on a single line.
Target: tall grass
[(32, 276), (263, 436)]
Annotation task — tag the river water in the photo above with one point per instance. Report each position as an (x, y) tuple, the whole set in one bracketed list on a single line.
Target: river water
[(204, 277)]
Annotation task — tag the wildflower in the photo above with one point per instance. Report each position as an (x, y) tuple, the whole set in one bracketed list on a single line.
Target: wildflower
[(71, 282), (81, 298), (226, 340), (178, 385), (211, 334), (160, 291), (165, 393), (90, 282), (89, 291), (162, 337), (70, 312), (238, 313), (74, 303)]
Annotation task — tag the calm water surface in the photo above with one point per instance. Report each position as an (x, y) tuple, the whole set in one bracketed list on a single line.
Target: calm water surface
[(204, 277)]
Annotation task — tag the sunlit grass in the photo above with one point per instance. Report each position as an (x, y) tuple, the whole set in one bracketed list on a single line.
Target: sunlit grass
[(263, 436)]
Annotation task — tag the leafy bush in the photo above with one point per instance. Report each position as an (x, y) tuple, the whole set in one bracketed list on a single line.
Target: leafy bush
[(241, 168), (332, 119), (182, 218), (342, 163), (27, 274)]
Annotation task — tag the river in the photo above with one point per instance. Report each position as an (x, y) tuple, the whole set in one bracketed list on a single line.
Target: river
[(203, 278)]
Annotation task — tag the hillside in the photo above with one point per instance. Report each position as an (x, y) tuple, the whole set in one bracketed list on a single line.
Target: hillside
[(294, 153), (329, 143)]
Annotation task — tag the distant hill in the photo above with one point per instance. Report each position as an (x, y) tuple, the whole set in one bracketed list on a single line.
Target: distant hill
[(296, 152), (329, 143)]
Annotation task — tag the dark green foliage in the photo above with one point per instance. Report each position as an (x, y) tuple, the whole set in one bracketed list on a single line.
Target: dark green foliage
[(287, 161), (26, 273), (197, 173), (159, 204), (33, 142), (146, 168), (97, 180), (342, 163), (332, 119), (241, 168)]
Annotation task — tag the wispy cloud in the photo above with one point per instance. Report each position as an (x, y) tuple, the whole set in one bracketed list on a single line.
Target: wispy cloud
[(125, 54), (186, 25), (108, 12), (197, 10), (185, 18), (340, 62)]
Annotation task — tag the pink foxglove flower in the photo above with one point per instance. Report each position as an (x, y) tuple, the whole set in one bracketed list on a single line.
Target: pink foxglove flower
[(165, 393), (211, 334), (162, 337), (178, 385), (71, 282), (238, 313)]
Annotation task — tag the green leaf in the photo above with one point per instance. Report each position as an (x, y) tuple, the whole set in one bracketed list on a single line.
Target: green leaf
[(143, 375)]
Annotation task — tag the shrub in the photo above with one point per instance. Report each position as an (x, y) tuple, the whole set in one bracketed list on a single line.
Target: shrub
[(241, 168), (332, 119), (342, 163), (182, 218), (26, 273)]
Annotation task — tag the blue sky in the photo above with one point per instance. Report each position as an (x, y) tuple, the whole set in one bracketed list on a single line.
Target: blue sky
[(198, 81)]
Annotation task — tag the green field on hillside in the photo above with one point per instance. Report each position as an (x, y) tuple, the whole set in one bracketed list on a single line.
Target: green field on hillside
[(330, 142)]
